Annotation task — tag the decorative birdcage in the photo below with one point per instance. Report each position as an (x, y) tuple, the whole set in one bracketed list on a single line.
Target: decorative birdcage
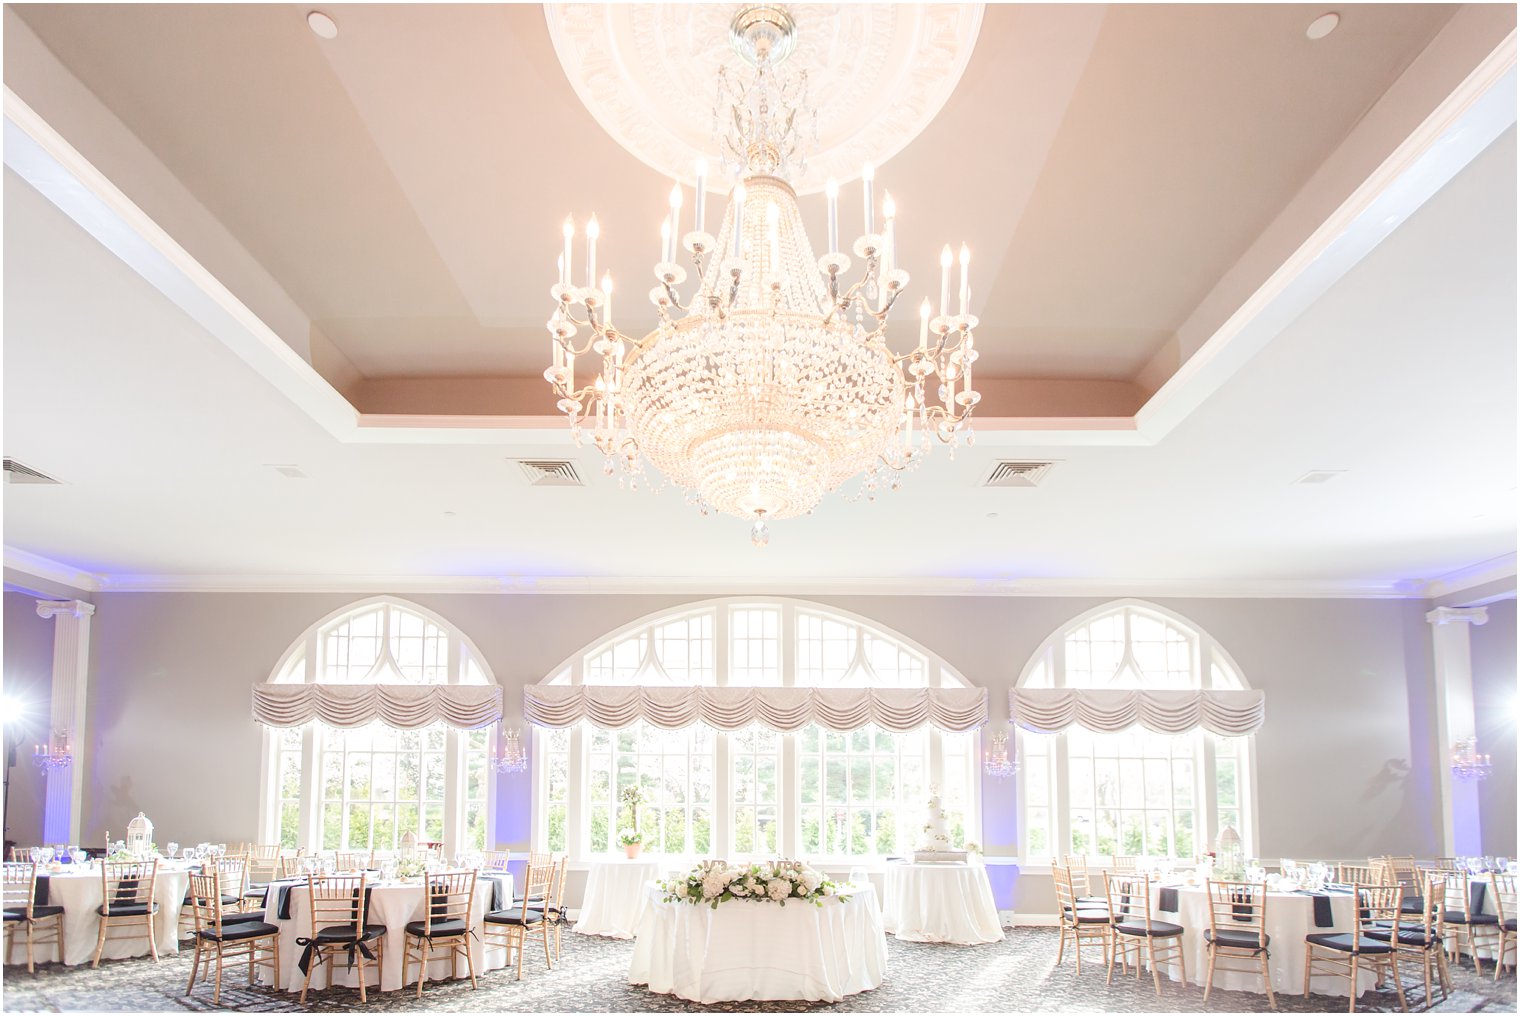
[(1229, 862), (140, 836), (408, 844)]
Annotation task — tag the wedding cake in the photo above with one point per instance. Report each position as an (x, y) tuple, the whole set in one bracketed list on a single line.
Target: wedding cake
[(934, 844)]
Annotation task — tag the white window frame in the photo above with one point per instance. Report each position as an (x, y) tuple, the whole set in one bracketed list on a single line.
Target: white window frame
[(1207, 652), (461, 652), (937, 673)]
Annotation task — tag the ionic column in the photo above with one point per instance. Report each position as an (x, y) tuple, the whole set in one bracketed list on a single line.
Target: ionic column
[(71, 670), (1461, 824)]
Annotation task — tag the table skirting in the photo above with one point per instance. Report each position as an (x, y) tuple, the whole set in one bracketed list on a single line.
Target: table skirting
[(940, 903), (747, 951), (80, 893), (614, 898)]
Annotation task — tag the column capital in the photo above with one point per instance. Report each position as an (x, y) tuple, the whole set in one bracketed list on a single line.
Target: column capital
[(52, 608), (1450, 615)]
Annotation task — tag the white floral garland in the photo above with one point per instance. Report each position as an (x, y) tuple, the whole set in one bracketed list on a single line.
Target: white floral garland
[(715, 882)]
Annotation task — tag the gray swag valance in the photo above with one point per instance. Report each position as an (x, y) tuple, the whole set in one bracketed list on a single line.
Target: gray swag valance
[(1048, 710), (466, 706), (781, 709)]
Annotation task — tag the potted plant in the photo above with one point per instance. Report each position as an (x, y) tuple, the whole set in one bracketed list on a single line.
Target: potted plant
[(630, 836)]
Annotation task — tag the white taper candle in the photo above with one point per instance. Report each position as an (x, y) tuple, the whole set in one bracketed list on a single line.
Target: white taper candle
[(701, 195), (665, 257), (593, 230), (606, 298), (867, 176), (832, 192)]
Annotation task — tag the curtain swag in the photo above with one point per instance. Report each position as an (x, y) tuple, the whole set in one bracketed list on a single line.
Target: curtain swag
[(1049, 710), (781, 709), (466, 706)]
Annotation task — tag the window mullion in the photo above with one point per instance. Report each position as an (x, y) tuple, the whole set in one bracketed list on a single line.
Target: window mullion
[(1061, 826), (788, 789)]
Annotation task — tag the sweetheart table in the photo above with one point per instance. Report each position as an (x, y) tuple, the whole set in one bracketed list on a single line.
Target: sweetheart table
[(749, 951)]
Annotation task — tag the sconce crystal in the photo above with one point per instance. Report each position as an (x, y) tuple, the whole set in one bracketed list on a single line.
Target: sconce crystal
[(1467, 763), (56, 754), (510, 758), (997, 762)]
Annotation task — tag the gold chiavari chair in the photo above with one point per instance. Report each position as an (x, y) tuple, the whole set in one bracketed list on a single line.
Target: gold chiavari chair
[(1123, 862), (265, 864), (1129, 910), (232, 871), (354, 860), (339, 907), (1424, 933), (1356, 874), (1342, 954), (126, 900), (495, 860), (1238, 931), (23, 912), (555, 913), (1081, 882), (1445, 863), (448, 907), (219, 940), (512, 926), (21, 854), (1503, 888), (1466, 924), (1082, 925)]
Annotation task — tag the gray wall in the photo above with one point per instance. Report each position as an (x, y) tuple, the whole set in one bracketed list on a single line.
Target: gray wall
[(1498, 706), (1349, 692), (28, 658)]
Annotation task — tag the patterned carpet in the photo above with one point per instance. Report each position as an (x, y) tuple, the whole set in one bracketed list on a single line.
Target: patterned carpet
[(1016, 975)]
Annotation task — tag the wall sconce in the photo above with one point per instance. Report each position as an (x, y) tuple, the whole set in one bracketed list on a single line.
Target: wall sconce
[(996, 763), (510, 758)]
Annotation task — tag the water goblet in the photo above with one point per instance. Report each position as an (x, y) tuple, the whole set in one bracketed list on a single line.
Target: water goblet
[(173, 848), (47, 854)]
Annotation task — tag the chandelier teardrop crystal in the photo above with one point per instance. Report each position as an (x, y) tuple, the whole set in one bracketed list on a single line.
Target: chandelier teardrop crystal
[(772, 385)]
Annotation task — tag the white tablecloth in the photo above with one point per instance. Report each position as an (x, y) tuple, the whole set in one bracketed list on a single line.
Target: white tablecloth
[(614, 898), (392, 904), (940, 903), (744, 951), (1290, 918), (80, 893)]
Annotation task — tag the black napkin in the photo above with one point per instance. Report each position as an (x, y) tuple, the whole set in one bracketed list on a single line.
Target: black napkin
[(1475, 891), (496, 892), (1323, 918), (40, 894), (126, 892), (1167, 900)]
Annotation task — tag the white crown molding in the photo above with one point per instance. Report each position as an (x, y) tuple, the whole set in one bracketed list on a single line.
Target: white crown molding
[(41, 567), (1471, 577)]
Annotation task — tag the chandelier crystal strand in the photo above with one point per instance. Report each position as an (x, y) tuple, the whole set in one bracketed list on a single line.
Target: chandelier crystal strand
[(772, 384)]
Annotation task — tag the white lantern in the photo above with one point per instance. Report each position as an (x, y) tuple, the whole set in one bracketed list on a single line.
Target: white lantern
[(1228, 849), (408, 844), (140, 836)]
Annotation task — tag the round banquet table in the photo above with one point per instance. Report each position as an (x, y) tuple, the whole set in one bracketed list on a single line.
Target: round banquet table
[(940, 903), (392, 904), (1290, 918), (614, 898), (749, 951), (80, 893)]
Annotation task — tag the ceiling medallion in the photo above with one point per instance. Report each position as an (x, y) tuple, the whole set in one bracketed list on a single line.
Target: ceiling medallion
[(772, 383), (646, 72)]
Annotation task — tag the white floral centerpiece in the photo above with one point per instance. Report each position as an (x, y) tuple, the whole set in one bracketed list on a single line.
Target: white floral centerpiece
[(715, 882)]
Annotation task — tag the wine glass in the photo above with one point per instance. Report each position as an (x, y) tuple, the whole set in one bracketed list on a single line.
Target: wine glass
[(173, 849), (47, 854)]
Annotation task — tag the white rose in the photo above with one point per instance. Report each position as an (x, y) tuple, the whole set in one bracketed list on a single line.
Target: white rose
[(778, 889), (738, 889)]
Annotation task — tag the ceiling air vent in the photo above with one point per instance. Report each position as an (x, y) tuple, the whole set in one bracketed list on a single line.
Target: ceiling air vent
[(15, 472), (1017, 474), (550, 473)]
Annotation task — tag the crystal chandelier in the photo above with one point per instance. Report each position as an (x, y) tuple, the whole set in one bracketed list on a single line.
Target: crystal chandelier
[(771, 384), (510, 758), (1467, 764), (997, 763), (56, 754)]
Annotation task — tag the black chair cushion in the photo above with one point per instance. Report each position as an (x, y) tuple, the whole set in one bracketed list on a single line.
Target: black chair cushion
[(1094, 902), (1092, 916), (1457, 917), (237, 917), (128, 909), (1509, 924), (1407, 936), (237, 931), (441, 929), (514, 917), (1412, 905), (15, 915), (1349, 943), (345, 933), (1231, 938), (1158, 929), (39, 912)]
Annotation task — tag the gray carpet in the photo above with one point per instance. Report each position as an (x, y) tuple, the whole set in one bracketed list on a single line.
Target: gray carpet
[(1016, 975)]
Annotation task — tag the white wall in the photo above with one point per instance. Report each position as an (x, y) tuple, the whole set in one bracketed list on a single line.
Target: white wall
[(28, 678), (1345, 761), (1497, 704)]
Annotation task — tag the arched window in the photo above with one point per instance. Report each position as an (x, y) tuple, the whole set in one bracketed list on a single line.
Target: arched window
[(1133, 792), (364, 787), (815, 793)]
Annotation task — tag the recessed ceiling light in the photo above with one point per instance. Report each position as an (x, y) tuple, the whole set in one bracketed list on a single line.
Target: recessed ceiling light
[(326, 28), (1319, 476), (1319, 27)]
